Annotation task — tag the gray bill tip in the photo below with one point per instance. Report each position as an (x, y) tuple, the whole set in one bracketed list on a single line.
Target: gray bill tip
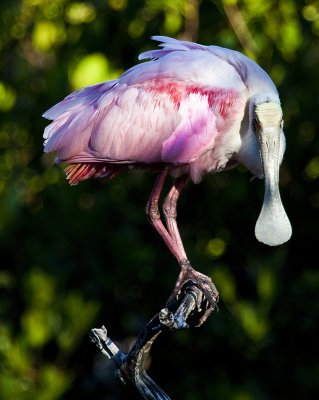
[(273, 227)]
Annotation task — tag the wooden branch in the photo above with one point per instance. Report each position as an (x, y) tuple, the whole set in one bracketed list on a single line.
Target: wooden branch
[(186, 311), (191, 24), (240, 28)]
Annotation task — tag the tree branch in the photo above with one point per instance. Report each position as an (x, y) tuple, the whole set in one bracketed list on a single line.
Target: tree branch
[(186, 311), (240, 28)]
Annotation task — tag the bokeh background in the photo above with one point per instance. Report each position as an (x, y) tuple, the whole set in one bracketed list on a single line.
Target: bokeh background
[(74, 258)]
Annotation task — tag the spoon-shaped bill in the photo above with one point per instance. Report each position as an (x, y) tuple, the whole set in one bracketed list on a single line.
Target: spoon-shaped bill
[(273, 226)]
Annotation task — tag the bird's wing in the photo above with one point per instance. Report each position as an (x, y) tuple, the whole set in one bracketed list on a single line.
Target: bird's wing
[(157, 121), (168, 110)]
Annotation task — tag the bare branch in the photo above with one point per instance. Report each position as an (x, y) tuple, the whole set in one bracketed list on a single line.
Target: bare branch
[(191, 24), (187, 310), (240, 28)]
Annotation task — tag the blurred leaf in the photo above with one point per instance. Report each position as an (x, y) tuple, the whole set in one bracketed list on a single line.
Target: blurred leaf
[(312, 168), (253, 322), (46, 35), (266, 284), (78, 13), (216, 247), (39, 327), (52, 383), (7, 97), (225, 284), (93, 68), (39, 289), (77, 319)]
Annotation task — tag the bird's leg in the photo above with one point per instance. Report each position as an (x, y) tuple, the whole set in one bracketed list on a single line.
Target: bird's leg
[(187, 272), (170, 214), (154, 216), (173, 241)]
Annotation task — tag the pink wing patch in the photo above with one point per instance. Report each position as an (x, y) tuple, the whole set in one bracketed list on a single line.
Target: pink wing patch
[(205, 114), (194, 136)]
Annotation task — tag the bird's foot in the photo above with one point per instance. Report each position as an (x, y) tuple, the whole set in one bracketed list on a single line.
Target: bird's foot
[(202, 289)]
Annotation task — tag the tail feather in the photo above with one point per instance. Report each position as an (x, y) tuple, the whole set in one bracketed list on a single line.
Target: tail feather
[(78, 172)]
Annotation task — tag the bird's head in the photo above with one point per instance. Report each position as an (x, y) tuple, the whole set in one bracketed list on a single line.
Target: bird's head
[(273, 226)]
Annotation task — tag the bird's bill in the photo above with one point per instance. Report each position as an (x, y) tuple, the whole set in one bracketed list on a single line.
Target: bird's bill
[(273, 226)]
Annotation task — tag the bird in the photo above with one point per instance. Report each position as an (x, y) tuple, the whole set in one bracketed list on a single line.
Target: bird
[(185, 111)]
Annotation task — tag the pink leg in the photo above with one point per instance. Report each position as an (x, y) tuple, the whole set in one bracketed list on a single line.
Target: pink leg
[(172, 238), (170, 213), (169, 208), (154, 216)]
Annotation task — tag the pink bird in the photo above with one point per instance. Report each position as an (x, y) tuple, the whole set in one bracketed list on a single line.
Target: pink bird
[(190, 110)]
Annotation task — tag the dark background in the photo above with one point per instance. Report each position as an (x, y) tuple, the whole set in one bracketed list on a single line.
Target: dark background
[(74, 258)]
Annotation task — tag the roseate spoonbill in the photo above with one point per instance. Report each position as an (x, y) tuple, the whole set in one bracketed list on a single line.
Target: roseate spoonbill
[(191, 109)]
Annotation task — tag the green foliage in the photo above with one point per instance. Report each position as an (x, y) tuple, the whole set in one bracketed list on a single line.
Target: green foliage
[(76, 258)]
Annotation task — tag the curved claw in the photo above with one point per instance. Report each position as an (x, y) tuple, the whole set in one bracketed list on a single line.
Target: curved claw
[(188, 306), (207, 294), (195, 304)]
